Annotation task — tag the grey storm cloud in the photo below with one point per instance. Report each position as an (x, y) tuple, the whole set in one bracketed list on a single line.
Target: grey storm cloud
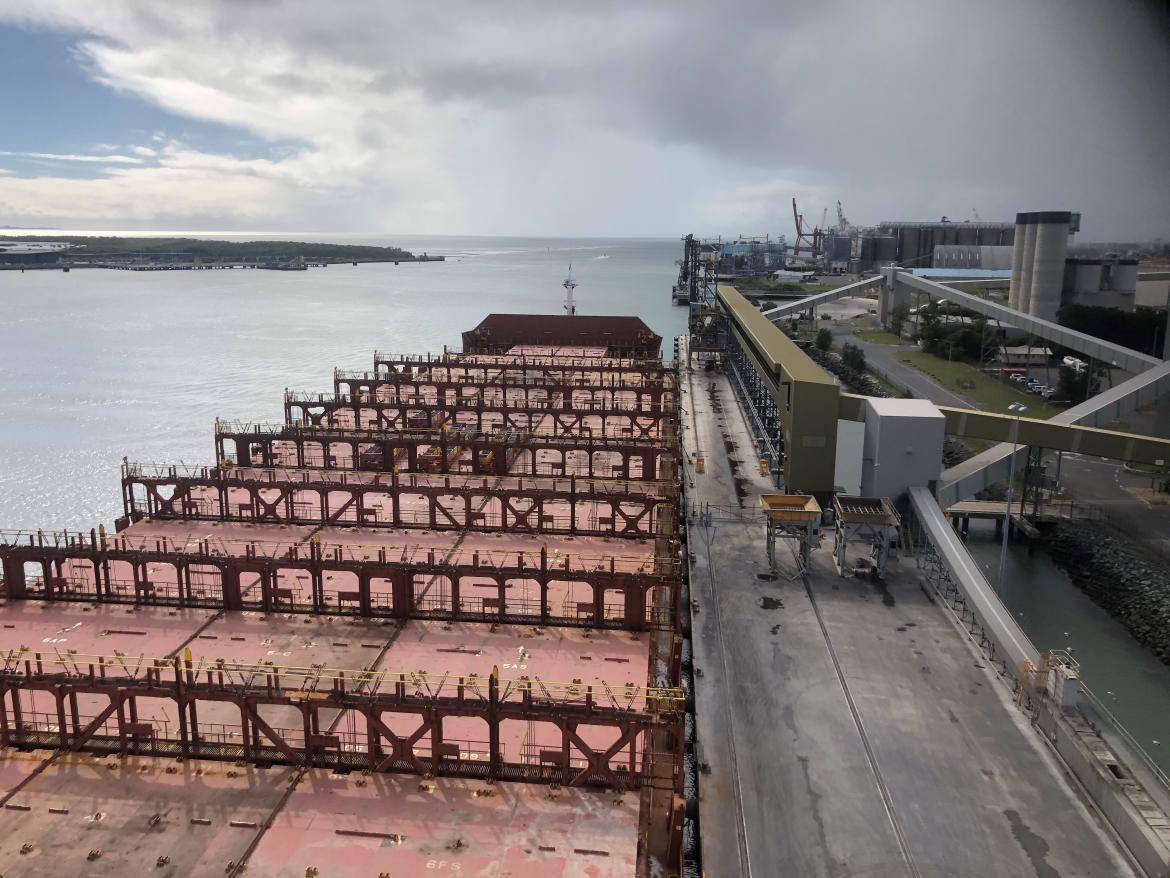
[(646, 118)]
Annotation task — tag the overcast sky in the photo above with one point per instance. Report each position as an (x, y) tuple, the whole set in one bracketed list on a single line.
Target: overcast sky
[(586, 118)]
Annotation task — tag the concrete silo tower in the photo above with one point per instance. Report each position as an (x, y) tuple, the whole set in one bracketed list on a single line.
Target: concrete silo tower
[(1051, 248), (1029, 256), (1017, 259)]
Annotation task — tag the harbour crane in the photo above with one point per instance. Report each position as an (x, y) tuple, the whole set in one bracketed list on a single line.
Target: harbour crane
[(806, 238), (842, 220)]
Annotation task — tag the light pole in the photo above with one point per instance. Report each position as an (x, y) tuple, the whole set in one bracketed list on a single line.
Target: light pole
[(1019, 409)]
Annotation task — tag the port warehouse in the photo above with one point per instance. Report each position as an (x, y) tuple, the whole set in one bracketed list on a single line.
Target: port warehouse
[(428, 624)]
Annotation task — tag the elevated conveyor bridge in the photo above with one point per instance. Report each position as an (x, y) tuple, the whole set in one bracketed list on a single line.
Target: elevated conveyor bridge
[(955, 574), (1096, 348), (867, 287), (792, 399), (788, 395)]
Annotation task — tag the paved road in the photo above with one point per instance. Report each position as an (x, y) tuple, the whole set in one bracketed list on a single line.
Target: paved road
[(883, 357), (1102, 483)]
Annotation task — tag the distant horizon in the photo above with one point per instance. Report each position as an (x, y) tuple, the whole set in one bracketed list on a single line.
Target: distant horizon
[(15, 231)]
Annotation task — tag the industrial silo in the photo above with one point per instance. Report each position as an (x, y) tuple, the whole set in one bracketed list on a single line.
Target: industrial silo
[(1124, 281), (1087, 280), (1017, 260), (1025, 295), (1051, 248), (885, 249), (868, 251), (965, 234), (908, 252)]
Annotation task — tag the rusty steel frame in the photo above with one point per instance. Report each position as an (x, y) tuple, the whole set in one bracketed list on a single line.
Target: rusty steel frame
[(542, 366), (264, 560), (407, 388), (491, 453), (640, 716), (604, 416), (319, 409), (611, 508), (473, 370)]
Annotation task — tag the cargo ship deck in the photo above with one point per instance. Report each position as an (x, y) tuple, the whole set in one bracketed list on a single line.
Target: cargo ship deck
[(428, 625)]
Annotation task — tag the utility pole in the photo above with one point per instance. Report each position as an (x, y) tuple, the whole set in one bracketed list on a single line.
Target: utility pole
[(1019, 409)]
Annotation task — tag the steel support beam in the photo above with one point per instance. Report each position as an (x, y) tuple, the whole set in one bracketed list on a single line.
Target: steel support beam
[(460, 378), (799, 306), (964, 480), (631, 716), (1106, 352), (443, 450), (529, 365), (556, 417), (261, 575), (569, 505)]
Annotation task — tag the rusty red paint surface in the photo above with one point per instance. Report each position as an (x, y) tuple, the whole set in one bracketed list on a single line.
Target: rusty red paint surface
[(175, 817)]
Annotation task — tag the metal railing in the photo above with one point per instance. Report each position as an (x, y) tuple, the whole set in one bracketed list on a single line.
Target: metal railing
[(1098, 707), (551, 360), (467, 432), (202, 546), (308, 398), (456, 375), (24, 663), (331, 476)]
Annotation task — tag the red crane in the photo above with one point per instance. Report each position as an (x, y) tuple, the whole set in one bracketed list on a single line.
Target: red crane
[(806, 239), (842, 221)]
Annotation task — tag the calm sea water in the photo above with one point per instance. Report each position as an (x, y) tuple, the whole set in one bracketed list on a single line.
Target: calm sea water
[(1122, 673), (97, 365)]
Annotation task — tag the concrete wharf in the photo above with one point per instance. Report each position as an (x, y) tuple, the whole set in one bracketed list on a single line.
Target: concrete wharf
[(845, 726)]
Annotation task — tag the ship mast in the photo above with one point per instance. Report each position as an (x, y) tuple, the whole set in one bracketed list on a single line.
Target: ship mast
[(570, 285)]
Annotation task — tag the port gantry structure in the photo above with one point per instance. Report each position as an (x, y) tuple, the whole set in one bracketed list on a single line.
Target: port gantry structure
[(503, 550)]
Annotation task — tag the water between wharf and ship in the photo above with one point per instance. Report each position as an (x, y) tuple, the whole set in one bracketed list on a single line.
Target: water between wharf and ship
[(1124, 675)]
